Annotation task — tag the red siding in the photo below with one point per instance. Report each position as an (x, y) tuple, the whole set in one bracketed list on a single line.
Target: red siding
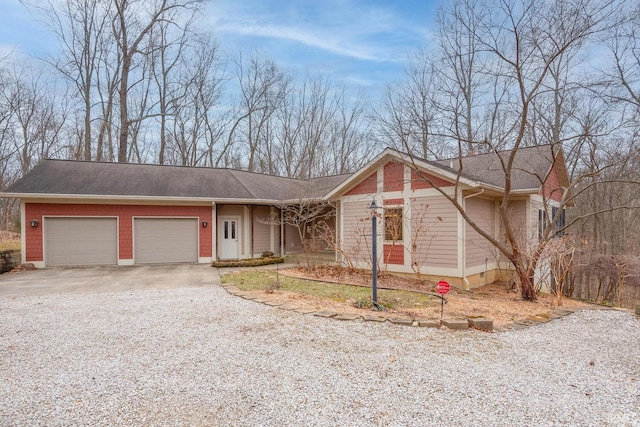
[(394, 176), (367, 186), (551, 186), (125, 214), (418, 182), (394, 254)]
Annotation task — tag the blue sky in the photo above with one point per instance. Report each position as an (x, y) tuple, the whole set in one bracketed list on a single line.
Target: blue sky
[(363, 43)]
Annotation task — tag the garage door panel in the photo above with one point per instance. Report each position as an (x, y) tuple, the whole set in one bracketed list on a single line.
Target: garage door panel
[(165, 240), (81, 241)]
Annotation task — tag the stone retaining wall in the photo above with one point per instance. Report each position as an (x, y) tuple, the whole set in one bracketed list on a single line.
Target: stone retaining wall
[(8, 260)]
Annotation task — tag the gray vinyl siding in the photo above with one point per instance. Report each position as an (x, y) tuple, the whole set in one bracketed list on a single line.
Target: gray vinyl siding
[(261, 229), (439, 246), (478, 249), (518, 213), (292, 239), (356, 233)]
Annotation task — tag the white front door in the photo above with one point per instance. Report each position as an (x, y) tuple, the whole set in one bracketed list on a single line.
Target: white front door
[(229, 237)]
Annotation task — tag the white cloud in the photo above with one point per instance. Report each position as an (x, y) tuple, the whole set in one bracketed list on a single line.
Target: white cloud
[(308, 38), (350, 28)]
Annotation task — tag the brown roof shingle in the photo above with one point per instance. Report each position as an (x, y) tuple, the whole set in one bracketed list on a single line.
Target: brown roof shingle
[(81, 178), (530, 167)]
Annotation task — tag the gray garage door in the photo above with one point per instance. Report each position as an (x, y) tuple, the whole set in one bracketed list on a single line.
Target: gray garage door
[(160, 240), (81, 241)]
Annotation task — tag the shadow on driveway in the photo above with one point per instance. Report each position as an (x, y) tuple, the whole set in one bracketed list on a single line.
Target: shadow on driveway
[(49, 281)]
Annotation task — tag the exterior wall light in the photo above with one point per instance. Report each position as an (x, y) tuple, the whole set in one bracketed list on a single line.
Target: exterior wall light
[(34, 222), (205, 223)]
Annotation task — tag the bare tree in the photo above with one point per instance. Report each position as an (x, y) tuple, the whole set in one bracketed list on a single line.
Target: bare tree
[(80, 27), (408, 116), (309, 218), (262, 88), (522, 44), (132, 24), (168, 51), (349, 146), (465, 84), (38, 116), (197, 132)]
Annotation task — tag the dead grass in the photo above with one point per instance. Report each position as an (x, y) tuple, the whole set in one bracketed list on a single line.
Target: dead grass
[(337, 289), (9, 240)]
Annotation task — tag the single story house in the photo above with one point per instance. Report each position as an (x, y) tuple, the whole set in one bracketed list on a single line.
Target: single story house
[(92, 213), (424, 232)]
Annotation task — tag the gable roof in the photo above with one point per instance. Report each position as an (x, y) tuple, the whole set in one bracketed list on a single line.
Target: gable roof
[(530, 168), (82, 179), (127, 180)]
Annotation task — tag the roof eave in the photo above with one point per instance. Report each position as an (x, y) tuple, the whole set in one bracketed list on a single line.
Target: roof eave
[(216, 200), (105, 197)]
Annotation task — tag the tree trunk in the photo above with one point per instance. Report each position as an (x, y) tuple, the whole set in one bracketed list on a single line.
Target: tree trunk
[(124, 116), (526, 277), (87, 122)]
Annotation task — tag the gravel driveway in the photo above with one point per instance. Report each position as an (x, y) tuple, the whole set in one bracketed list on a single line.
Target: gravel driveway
[(199, 356)]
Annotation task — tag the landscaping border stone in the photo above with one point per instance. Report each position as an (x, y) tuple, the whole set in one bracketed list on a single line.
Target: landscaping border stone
[(481, 323), (428, 323), (478, 323), (456, 324)]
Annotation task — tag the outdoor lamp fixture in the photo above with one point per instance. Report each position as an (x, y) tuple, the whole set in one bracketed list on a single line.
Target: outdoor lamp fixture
[(34, 222), (205, 223), (374, 254)]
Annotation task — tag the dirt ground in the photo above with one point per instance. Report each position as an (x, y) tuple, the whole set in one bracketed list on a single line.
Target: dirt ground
[(497, 301)]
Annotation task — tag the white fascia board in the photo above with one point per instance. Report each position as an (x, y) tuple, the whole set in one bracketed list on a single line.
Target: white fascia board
[(296, 201), (525, 192), (454, 177), (117, 198), (104, 197), (246, 201)]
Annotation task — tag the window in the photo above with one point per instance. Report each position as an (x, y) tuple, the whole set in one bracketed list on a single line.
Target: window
[(557, 216), (393, 224), (542, 222)]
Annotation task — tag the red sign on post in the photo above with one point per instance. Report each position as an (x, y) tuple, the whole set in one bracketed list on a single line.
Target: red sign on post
[(443, 287)]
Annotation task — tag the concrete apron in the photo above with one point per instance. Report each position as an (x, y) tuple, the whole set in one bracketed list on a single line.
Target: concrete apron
[(49, 281)]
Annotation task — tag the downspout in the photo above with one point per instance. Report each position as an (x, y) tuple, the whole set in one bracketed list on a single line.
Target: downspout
[(338, 225), (464, 239), (251, 230), (214, 231), (281, 233)]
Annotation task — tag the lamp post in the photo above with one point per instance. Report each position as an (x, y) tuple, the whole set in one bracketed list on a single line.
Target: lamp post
[(374, 250)]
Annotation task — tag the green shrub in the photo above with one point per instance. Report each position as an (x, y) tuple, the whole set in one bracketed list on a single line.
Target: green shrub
[(254, 262)]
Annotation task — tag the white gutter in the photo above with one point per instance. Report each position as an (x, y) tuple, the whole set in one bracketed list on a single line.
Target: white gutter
[(116, 197), (464, 238)]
